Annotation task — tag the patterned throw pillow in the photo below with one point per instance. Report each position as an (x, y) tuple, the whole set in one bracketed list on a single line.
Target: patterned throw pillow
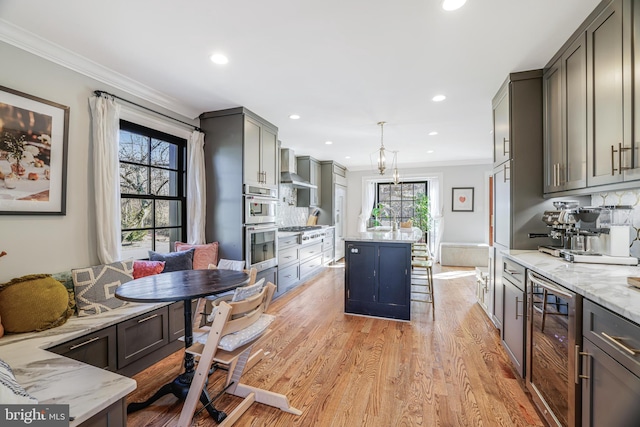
[(96, 286), (10, 391), (174, 261), (204, 255), (147, 268)]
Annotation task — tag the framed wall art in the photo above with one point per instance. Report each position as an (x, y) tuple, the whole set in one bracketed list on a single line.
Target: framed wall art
[(33, 154), (462, 199)]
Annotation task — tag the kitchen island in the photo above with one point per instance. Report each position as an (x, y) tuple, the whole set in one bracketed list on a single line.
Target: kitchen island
[(378, 273)]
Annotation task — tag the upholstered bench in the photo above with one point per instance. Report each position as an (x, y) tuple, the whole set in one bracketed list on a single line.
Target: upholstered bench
[(464, 254)]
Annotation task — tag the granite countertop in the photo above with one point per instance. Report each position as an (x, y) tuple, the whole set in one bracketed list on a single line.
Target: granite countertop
[(55, 379), (400, 236), (603, 284)]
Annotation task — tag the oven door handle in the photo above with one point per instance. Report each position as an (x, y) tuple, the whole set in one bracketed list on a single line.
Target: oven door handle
[(544, 283), (265, 227)]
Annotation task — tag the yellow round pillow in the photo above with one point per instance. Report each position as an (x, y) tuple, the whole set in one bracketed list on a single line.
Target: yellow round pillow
[(33, 303)]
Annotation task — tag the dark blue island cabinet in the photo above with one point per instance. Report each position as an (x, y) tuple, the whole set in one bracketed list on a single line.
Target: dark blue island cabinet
[(378, 279)]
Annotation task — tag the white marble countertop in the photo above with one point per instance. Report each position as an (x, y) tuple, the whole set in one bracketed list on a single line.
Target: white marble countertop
[(603, 284), (55, 379), (403, 235)]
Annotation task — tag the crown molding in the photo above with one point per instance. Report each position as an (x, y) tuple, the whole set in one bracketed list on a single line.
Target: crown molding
[(434, 164), (32, 43)]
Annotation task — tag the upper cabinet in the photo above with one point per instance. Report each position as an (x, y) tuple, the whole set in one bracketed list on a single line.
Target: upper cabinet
[(565, 114), (609, 124), (309, 169), (501, 141), (592, 105), (260, 163)]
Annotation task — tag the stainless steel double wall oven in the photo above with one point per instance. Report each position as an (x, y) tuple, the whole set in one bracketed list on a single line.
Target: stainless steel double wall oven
[(261, 232)]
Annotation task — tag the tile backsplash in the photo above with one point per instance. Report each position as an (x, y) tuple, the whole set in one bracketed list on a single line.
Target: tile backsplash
[(627, 197), (288, 213)]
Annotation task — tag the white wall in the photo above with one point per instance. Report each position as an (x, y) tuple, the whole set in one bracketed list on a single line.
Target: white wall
[(49, 243), (471, 227)]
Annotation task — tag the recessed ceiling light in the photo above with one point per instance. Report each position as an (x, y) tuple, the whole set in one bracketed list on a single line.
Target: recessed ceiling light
[(294, 117), (328, 142), (438, 98), (429, 151), (347, 157), (433, 133), (218, 58), (453, 4)]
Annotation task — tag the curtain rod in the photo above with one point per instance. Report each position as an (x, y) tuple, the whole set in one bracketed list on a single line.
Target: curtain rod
[(101, 92)]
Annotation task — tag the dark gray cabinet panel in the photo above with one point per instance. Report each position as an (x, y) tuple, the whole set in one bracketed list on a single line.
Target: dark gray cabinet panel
[(288, 276), (513, 325), (498, 288), (142, 335), (114, 415), (565, 104), (309, 169), (609, 123), (610, 393), (501, 127), (378, 279), (97, 349)]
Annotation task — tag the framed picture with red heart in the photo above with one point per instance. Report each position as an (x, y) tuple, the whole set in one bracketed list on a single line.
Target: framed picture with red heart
[(462, 199)]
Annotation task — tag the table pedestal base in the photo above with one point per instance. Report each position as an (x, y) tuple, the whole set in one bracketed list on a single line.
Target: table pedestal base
[(179, 387)]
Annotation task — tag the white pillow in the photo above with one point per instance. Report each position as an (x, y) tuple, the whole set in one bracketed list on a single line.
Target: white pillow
[(10, 391), (237, 339), (227, 264)]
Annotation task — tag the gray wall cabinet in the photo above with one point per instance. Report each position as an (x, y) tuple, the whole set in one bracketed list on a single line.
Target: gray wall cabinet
[(240, 148), (334, 202), (309, 169)]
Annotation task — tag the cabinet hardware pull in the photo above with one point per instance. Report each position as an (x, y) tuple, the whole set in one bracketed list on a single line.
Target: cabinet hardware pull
[(518, 301), (148, 318), (555, 174), (90, 340), (576, 374), (506, 168), (613, 169), (512, 272), (621, 345), (620, 159), (505, 142)]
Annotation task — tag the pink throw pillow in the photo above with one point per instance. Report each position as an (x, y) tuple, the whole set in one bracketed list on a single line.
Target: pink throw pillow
[(147, 268), (204, 255)]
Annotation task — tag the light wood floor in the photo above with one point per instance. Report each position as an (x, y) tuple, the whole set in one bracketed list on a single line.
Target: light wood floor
[(343, 370)]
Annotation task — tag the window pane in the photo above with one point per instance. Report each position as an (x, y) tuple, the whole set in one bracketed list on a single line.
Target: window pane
[(163, 240), (419, 189), (136, 213), (383, 192), (163, 154), (134, 147), (407, 211), (164, 182), (133, 179), (136, 244), (168, 213)]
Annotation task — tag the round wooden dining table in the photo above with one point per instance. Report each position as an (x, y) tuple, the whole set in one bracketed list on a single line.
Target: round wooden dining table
[(184, 286)]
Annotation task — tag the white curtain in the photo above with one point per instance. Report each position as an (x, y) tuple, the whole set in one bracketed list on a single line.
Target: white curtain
[(105, 113), (196, 195), (368, 197), (435, 198)]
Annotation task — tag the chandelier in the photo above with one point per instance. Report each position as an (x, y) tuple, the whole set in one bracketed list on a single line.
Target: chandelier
[(394, 166), (381, 156)]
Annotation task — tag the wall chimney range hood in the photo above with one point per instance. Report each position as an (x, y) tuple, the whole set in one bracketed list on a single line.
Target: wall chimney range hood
[(288, 170)]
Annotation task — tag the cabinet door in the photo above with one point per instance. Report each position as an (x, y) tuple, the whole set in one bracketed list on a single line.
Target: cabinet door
[(393, 278), (251, 156), (269, 158), (97, 349), (574, 63), (502, 205), (315, 179), (513, 324), (360, 272), (501, 143), (554, 143), (605, 95), (498, 291), (610, 393), (142, 335)]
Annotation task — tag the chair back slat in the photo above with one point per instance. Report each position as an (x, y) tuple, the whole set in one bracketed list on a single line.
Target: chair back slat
[(244, 313)]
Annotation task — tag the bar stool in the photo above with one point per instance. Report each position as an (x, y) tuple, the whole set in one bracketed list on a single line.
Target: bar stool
[(422, 275)]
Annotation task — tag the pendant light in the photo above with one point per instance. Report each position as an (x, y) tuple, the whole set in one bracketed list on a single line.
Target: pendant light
[(381, 156), (394, 166)]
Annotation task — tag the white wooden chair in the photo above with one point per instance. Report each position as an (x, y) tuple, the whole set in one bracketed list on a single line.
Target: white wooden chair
[(234, 323)]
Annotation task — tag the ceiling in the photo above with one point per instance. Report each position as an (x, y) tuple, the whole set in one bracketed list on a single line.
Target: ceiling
[(341, 65)]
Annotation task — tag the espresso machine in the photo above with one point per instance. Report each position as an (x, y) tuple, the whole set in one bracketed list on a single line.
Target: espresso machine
[(597, 235)]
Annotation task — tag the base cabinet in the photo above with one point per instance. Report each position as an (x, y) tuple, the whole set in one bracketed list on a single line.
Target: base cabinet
[(378, 279), (610, 369), (96, 349), (114, 415)]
